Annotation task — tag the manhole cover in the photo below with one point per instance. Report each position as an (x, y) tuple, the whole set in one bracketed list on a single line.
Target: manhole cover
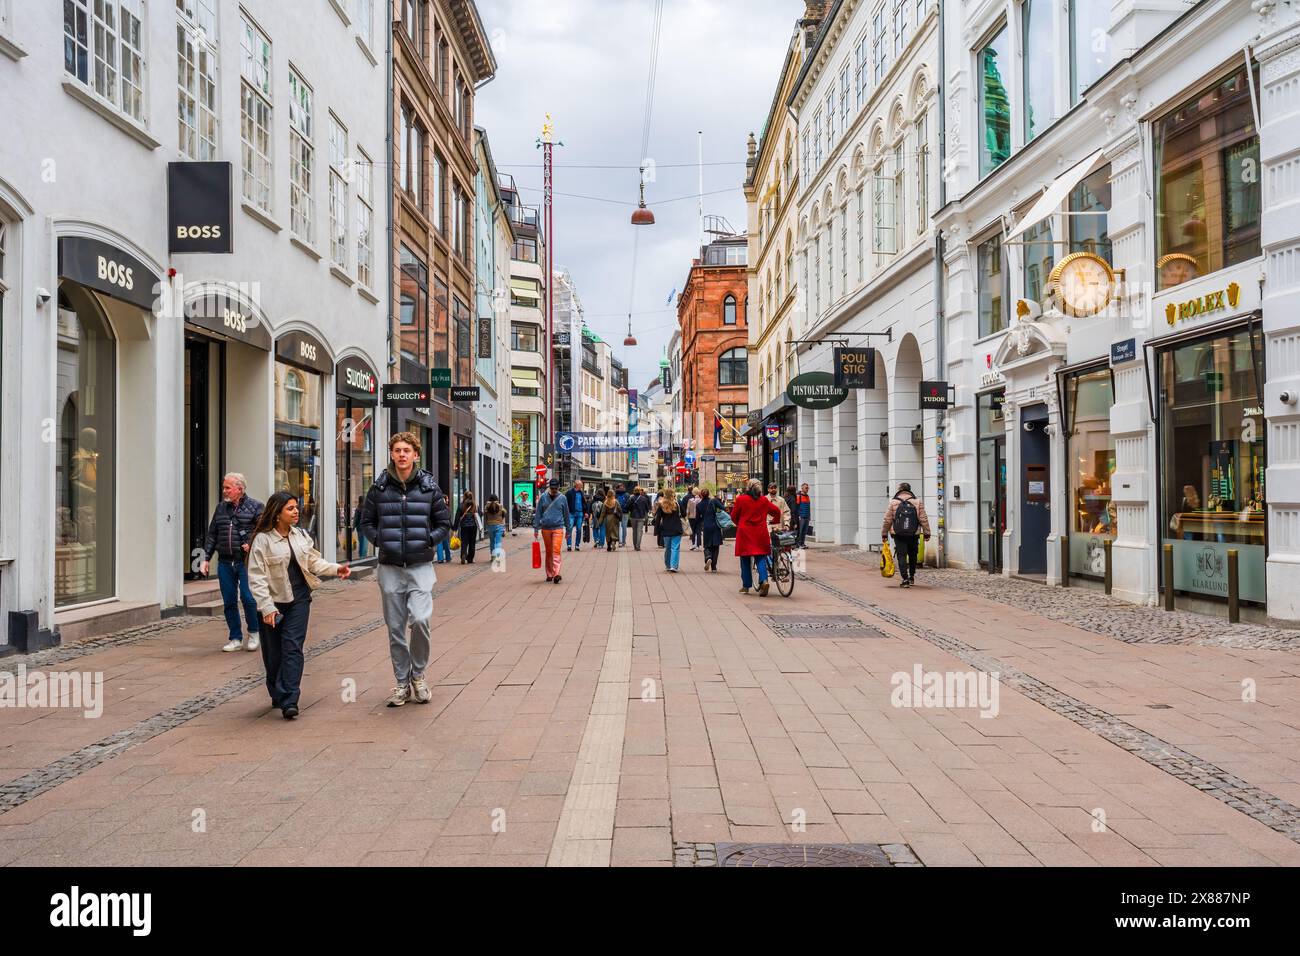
[(794, 854), (818, 625)]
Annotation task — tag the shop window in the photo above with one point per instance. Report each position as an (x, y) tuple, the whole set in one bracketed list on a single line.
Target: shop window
[(992, 479), (1207, 183), (992, 280), (994, 63), (1213, 461), (298, 440), (1089, 44), (1090, 461), (1090, 213), (1039, 56), (354, 460), (85, 458)]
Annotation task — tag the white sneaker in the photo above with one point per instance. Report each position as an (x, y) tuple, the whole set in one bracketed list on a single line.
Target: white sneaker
[(401, 693), (420, 692), (253, 643), (233, 646)]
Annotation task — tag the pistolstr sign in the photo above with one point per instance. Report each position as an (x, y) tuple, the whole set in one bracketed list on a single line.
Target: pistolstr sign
[(816, 390)]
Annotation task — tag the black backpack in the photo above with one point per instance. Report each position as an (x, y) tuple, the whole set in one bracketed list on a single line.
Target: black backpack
[(905, 519)]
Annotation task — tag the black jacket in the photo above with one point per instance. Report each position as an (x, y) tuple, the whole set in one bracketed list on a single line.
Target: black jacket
[(668, 524), (405, 521), (571, 497), (231, 528), (639, 506)]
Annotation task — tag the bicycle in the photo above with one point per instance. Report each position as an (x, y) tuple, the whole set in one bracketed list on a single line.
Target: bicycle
[(782, 563)]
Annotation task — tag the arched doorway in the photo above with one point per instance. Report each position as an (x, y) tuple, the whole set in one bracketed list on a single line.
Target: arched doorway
[(906, 431), (873, 455)]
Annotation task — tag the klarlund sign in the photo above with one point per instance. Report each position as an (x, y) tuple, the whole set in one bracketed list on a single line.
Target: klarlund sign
[(816, 390)]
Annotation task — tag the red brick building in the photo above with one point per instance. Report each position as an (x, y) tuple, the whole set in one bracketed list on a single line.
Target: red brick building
[(715, 364)]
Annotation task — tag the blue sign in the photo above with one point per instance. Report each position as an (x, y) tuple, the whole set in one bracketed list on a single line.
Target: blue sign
[(776, 456), (690, 458), (1121, 352), (570, 442)]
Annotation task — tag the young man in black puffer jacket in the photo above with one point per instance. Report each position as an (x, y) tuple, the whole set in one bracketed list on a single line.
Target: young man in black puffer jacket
[(405, 516)]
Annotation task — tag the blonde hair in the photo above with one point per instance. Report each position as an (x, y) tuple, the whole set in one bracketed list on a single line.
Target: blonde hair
[(669, 504)]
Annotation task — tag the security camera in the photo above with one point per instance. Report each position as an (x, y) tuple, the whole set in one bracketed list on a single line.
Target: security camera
[(1287, 398), (1029, 426), (42, 296)]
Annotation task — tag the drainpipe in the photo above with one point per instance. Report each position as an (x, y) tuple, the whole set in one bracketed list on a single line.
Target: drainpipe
[(388, 150), (940, 331)]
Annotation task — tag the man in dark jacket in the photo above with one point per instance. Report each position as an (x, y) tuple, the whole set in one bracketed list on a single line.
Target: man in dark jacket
[(579, 508), (639, 507), (905, 518), (405, 517), (624, 499), (229, 534)]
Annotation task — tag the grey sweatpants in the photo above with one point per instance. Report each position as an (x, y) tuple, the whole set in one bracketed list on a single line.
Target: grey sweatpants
[(407, 594)]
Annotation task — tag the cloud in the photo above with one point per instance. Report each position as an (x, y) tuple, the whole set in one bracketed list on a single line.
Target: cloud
[(586, 62)]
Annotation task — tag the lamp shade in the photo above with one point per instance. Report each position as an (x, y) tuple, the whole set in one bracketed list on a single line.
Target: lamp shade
[(641, 216)]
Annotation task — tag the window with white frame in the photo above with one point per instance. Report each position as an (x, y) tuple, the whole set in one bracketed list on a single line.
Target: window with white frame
[(845, 97), (900, 192), (255, 116), (807, 150), (862, 74), (830, 119), (103, 49), (861, 239), (196, 76), (879, 45), (301, 157), (817, 278), (338, 192), (364, 169), (922, 171), (364, 14), (844, 250), (830, 259), (901, 27), (817, 146), (789, 267), (882, 203)]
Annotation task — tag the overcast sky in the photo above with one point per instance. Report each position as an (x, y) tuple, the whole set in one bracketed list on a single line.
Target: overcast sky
[(586, 63)]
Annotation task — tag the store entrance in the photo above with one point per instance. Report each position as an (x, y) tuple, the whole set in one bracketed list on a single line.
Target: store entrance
[(1035, 490), (993, 481), (204, 361)]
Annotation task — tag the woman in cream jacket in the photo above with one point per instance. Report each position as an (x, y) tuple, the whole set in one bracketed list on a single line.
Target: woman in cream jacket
[(284, 567)]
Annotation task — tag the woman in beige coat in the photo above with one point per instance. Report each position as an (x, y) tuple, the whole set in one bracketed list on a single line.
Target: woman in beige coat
[(284, 567)]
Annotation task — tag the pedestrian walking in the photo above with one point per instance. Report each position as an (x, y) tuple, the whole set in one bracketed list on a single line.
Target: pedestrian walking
[(597, 524), (692, 516), (612, 517), (905, 518), (406, 518), (622, 497), (494, 522), (284, 567), (751, 514), (668, 526), (783, 523), (579, 509), (803, 512), (549, 521), (230, 534), (639, 506), (468, 524), (710, 530)]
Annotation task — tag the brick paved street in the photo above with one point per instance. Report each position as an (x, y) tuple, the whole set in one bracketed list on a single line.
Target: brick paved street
[(632, 717)]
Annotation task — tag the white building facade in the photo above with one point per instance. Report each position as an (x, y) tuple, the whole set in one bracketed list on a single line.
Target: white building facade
[(133, 378), (867, 185), (1121, 294), (493, 242)]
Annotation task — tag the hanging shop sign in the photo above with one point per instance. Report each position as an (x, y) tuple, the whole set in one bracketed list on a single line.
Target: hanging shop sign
[(464, 393), (935, 396), (569, 442), (108, 269), (1215, 301), (440, 378), (816, 390), (773, 432), (304, 350), (855, 367), (198, 207), (405, 396), (355, 379)]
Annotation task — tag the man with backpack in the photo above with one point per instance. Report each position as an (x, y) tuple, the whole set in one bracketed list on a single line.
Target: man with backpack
[(905, 518)]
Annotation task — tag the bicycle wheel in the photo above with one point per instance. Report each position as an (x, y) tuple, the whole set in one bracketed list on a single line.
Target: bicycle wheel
[(784, 574)]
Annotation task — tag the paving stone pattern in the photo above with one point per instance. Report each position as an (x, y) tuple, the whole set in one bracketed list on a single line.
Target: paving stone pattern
[(1093, 610), (1272, 811), (93, 645)]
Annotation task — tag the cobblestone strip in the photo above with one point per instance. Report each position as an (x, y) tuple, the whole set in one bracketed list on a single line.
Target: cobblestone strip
[(585, 834), (35, 782), (1092, 610), (1264, 807), (93, 645)]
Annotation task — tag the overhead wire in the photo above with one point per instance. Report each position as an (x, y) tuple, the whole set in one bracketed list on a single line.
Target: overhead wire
[(645, 142)]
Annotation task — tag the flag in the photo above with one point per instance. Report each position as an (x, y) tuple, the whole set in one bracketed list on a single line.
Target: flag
[(717, 431), (670, 297)]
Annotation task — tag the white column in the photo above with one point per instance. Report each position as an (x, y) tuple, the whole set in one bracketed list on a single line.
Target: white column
[(824, 488), (846, 469), (1279, 54)]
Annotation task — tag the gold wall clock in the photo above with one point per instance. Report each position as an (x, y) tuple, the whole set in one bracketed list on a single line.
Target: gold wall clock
[(1083, 283)]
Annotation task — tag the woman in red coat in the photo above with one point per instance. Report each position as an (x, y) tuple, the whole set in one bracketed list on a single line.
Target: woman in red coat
[(750, 513)]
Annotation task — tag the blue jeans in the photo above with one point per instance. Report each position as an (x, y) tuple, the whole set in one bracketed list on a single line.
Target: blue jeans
[(444, 549), (233, 578), (495, 533), (746, 574), (622, 530), (598, 534), (573, 532), (672, 550)]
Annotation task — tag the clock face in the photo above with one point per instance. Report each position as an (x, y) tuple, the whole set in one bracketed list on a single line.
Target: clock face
[(1084, 283), (1176, 269)]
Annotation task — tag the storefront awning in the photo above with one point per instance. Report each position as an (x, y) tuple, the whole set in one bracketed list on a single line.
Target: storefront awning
[(1051, 199), (524, 378), (522, 289)]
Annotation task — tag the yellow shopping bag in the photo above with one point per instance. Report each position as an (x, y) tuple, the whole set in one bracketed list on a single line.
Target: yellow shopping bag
[(455, 541), (886, 560), (920, 552)]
